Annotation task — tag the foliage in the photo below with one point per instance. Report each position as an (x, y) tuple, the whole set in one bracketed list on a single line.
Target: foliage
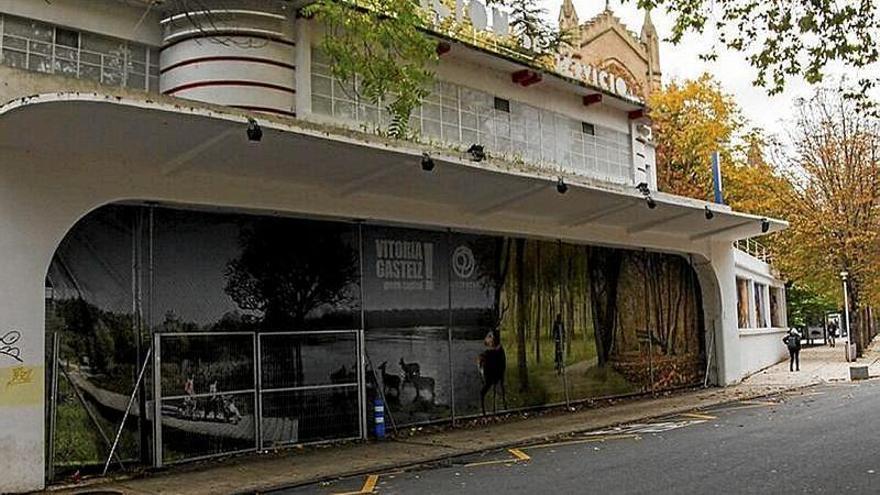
[(692, 119), (833, 203), (379, 47), (785, 39), (384, 49), (807, 306), (283, 277)]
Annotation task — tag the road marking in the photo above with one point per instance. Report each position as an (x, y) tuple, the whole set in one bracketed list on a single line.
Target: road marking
[(369, 486), (698, 416), (761, 403), (584, 440), (519, 456)]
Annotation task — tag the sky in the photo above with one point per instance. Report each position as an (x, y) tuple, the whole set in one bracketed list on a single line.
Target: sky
[(682, 61)]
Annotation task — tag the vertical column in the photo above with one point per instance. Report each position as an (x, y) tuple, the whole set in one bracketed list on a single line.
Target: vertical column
[(727, 344), (25, 251)]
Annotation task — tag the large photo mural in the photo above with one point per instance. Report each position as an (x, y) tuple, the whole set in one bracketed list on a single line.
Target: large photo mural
[(263, 323)]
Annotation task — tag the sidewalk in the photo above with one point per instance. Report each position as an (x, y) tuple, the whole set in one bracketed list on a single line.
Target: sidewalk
[(310, 465), (820, 364)]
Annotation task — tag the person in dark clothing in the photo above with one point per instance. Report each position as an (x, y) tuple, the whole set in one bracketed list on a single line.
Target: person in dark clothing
[(832, 333), (558, 341), (793, 341)]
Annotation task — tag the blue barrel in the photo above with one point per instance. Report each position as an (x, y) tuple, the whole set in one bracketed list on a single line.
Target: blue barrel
[(379, 416)]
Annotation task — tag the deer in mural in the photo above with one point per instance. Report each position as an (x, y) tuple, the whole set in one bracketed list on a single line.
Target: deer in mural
[(389, 382), (492, 364)]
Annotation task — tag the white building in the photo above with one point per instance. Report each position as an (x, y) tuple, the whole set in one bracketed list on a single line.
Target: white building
[(134, 204)]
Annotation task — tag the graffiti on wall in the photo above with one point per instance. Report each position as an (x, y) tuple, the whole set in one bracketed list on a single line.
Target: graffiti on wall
[(9, 345)]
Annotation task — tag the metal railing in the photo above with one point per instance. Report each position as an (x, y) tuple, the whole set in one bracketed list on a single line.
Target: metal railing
[(755, 249), (222, 393)]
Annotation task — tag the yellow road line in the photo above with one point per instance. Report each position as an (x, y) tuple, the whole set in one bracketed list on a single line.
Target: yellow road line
[(583, 440), (698, 416), (519, 454), (369, 486), (760, 403)]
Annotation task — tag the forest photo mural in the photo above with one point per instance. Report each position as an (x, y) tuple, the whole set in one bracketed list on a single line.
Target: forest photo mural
[(454, 324)]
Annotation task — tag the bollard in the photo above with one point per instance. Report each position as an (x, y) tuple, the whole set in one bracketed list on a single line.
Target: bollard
[(379, 417)]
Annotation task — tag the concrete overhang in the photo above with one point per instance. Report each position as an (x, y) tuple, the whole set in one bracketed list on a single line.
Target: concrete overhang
[(178, 140)]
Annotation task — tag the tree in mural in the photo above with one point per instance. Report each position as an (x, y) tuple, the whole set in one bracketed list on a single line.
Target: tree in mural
[(521, 315), (288, 269), (604, 268)]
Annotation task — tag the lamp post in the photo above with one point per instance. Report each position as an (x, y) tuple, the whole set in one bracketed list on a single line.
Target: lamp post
[(843, 276)]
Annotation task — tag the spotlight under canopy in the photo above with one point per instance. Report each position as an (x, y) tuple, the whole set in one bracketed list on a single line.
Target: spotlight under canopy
[(651, 203), (561, 186), (709, 213), (477, 152), (765, 225), (427, 162), (254, 131)]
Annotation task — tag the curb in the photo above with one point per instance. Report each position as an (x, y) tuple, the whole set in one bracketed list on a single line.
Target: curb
[(523, 442)]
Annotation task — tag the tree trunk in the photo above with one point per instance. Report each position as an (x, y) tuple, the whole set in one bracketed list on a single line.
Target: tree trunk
[(522, 367), (540, 296)]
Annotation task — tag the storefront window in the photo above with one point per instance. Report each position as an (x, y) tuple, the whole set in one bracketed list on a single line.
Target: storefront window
[(777, 305), (760, 309), (742, 303)]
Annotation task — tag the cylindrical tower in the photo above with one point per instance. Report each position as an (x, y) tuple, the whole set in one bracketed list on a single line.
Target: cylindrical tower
[(238, 53)]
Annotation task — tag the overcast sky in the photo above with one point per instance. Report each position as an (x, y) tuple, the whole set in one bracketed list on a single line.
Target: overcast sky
[(682, 62)]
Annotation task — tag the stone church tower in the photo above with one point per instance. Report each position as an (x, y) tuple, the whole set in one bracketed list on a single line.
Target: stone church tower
[(606, 43)]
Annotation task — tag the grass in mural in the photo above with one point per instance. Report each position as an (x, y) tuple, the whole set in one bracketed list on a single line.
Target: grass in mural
[(78, 443), (584, 377)]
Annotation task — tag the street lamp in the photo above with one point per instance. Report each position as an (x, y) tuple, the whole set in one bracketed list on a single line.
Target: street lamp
[(843, 276)]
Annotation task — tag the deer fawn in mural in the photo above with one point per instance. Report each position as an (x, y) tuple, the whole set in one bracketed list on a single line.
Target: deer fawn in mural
[(389, 382)]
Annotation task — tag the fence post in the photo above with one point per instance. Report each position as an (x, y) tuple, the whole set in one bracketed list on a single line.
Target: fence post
[(157, 400), (258, 392)]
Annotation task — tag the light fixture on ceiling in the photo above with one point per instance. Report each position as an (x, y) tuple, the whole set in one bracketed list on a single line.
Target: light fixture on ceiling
[(709, 213), (765, 225), (477, 152), (643, 188), (561, 186), (254, 131), (427, 162)]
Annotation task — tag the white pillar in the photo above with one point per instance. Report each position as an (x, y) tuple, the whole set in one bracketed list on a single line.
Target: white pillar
[(727, 345)]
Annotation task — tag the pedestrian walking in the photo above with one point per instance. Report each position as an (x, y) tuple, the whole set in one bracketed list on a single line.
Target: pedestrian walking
[(832, 333), (793, 341), (559, 343)]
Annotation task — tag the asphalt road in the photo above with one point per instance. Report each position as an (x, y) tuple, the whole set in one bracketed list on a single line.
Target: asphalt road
[(820, 440)]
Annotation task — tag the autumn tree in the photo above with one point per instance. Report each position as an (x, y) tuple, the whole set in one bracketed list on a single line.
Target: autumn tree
[(834, 203), (787, 39), (691, 119)]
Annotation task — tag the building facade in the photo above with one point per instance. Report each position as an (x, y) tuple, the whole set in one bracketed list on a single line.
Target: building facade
[(203, 227)]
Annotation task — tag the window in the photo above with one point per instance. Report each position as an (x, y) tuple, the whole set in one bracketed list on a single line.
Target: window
[(66, 37), (742, 303), (760, 309), (777, 306), (462, 116), (42, 47)]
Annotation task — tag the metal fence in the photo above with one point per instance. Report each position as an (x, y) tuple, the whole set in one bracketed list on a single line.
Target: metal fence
[(223, 393)]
